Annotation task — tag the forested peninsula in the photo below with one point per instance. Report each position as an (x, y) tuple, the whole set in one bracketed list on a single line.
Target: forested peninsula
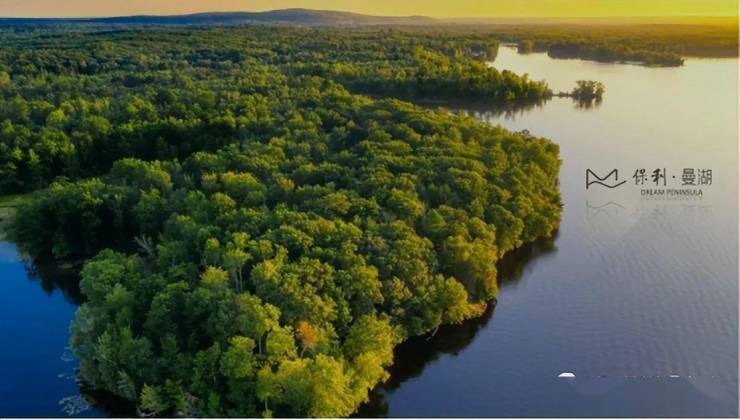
[(258, 236)]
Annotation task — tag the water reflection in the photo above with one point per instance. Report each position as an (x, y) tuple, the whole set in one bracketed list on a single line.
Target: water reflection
[(414, 355), (510, 111), (38, 367), (52, 277), (482, 110), (586, 104), (112, 405), (63, 278), (609, 209)]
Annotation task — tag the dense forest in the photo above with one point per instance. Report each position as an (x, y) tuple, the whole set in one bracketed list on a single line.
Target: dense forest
[(258, 237), (73, 99), (73, 102)]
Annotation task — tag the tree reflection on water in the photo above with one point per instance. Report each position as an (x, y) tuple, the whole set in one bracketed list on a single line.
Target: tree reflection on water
[(414, 355)]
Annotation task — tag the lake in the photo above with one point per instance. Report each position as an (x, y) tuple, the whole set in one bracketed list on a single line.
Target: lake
[(637, 295)]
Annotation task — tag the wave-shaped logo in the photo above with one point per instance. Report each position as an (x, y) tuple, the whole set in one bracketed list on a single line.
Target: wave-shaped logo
[(610, 209), (605, 181)]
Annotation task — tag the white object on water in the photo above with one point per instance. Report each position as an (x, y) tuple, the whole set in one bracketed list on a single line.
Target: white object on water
[(567, 375)]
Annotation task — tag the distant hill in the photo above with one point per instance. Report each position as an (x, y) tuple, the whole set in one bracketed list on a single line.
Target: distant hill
[(309, 17), (304, 17)]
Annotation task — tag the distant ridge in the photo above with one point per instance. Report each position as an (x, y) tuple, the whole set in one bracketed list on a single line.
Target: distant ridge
[(303, 17), (310, 17)]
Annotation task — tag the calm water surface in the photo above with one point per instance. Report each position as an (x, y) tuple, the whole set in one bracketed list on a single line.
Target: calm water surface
[(37, 368), (637, 296)]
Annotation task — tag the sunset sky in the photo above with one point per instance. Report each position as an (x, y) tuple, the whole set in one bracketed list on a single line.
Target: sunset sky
[(436, 8)]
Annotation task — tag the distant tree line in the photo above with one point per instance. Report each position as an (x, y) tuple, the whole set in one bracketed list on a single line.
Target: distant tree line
[(663, 45), (601, 52)]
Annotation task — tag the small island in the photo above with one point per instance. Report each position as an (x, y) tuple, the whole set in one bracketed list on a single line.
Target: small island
[(588, 90), (587, 93)]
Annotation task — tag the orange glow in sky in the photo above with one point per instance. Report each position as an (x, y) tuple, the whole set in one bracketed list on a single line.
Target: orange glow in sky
[(436, 8)]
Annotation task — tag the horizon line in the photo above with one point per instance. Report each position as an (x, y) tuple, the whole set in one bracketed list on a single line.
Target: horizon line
[(440, 18)]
